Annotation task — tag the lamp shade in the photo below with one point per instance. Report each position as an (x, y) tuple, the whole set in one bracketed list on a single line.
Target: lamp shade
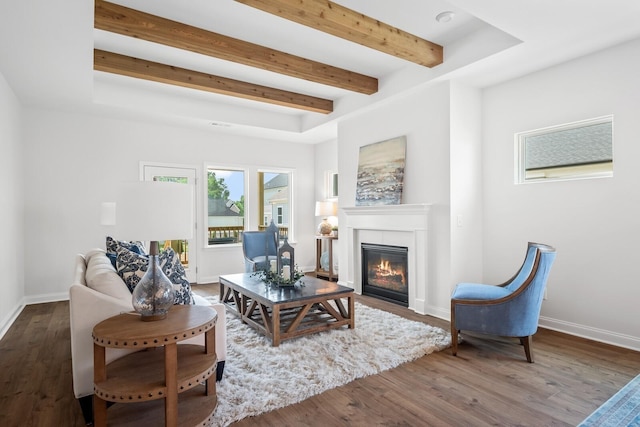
[(326, 209), (152, 210)]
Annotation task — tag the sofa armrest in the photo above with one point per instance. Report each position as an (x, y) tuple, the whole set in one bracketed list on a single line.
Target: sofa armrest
[(221, 328), (87, 308)]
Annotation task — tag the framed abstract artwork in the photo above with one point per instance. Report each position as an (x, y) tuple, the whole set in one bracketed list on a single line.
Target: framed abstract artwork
[(381, 172)]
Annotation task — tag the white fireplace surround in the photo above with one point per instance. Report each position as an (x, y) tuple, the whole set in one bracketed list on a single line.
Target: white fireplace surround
[(397, 225)]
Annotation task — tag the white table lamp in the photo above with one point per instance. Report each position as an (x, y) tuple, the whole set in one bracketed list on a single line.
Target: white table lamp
[(153, 211), (325, 210)]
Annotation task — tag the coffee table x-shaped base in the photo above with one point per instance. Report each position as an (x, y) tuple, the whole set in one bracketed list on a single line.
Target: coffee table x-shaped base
[(288, 313)]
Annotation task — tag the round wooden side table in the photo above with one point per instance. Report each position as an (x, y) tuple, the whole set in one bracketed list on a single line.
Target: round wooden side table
[(153, 377)]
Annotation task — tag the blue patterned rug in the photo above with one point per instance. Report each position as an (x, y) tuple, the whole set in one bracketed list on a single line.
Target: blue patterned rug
[(622, 410)]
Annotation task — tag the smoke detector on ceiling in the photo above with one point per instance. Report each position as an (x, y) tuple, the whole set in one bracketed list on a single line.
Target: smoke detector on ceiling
[(445, 17)]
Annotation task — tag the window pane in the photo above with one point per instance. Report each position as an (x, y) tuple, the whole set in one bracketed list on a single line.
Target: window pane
[(575, 150), (275, 200), (225, 205)]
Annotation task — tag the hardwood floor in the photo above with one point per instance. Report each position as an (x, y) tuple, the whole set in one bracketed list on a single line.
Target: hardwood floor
[(489, 383)]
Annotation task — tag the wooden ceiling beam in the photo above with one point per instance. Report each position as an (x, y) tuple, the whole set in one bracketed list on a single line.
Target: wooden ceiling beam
[(337, 20), (130, 22), (139, 68)]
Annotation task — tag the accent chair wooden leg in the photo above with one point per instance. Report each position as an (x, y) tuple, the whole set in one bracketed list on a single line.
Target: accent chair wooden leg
[(527, 343), (454, 331), (454, 340)]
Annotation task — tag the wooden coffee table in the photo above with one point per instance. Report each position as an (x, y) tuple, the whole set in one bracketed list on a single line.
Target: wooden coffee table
[(284, 313)]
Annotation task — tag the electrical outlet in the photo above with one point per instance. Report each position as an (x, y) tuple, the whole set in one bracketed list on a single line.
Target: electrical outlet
[(545, 294), (459, 220)]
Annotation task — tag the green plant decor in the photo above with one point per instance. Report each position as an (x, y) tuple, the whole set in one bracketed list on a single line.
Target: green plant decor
[(272, 278)]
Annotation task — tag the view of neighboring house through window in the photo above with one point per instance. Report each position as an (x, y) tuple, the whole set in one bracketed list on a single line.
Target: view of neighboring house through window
[(225, 205), (576, 150), (274, 200)]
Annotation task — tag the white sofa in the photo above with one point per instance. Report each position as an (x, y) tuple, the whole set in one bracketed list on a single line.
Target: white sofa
[(97, 293)]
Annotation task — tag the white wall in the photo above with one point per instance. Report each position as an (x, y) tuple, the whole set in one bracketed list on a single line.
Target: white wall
[(74, 162), (593, 287), (11, 223), (425, 117), (326, 159), (466, 184)]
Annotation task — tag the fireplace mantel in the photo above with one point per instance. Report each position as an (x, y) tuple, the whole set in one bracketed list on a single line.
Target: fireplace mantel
[(400, 225), (412, 209)]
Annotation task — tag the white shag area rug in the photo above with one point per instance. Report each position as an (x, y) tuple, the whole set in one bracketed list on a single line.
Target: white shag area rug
[(259, 378)]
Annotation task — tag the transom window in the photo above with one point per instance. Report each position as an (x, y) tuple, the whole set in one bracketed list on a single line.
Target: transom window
[(576, 150)]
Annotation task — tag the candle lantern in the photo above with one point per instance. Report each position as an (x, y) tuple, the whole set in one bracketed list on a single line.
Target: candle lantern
[(287, 271)]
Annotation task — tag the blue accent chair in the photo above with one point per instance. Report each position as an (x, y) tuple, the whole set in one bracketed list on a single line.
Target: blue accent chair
[(511, 309), (259, 248)]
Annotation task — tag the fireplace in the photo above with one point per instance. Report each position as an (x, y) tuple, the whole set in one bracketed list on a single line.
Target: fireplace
[(385, 273), (394, 225)]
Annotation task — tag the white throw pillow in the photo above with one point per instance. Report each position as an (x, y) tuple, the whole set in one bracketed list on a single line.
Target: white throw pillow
[(103, 278)]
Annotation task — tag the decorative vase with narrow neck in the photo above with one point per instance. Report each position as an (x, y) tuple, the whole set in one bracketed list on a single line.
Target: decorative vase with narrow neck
[(153, 296)]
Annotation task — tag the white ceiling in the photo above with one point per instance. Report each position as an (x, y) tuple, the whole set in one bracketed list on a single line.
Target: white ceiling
[(46, 55)]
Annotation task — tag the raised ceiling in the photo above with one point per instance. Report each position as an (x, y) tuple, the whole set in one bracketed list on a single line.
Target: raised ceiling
[(47, 56), (264, 71)]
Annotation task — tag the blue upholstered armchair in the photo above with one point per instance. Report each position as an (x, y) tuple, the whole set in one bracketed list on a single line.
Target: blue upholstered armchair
[(259, 248), (511, 309)]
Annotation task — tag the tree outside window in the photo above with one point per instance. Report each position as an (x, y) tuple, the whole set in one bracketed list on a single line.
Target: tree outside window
[(225, 206)]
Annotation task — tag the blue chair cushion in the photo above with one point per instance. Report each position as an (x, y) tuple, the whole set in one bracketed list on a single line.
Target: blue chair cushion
[(477, 291)]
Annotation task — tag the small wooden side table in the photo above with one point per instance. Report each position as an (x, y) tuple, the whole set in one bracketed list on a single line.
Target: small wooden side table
[(321, 272), (153, 378)]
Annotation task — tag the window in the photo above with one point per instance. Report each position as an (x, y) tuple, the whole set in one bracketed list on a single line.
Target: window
[(225, 205), (275, 200), (576, 150), (331, 180), (280, 215)]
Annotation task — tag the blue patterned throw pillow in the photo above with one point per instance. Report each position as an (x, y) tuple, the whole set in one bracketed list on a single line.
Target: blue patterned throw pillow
[(113, 245), (172, 267), (132, 266)]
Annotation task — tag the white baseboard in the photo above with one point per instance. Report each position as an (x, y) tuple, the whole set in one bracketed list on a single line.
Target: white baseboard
[(439, 312), (35, 299), (595, 334), (42, 298), (8, 320), (207, 280)]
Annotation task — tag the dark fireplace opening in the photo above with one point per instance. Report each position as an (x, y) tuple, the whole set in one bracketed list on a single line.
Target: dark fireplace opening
[(384, 273)]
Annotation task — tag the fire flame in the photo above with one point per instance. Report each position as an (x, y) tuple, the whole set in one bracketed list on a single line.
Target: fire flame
[(384, 268)]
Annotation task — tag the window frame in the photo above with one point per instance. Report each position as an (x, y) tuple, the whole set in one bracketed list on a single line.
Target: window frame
[(252, 199), (291, 197), (580, 171), (232, 168)]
